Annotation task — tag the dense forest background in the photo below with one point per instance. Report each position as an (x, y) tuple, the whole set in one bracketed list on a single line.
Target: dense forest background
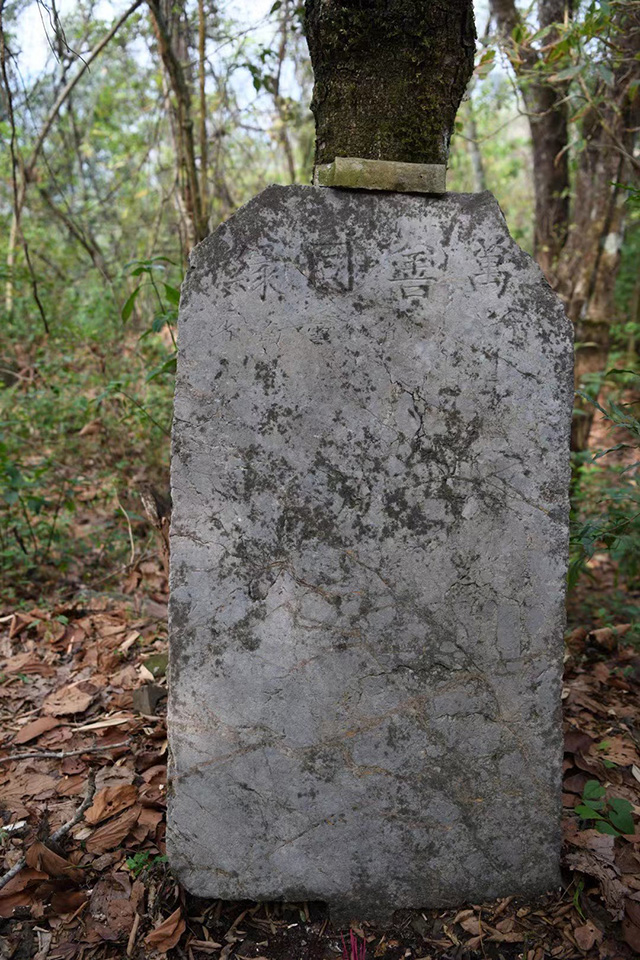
[(130, 132)]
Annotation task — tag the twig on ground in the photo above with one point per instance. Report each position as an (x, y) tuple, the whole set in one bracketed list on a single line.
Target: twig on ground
[(131, 540), (60, 832), (134, 933), (62, 754)]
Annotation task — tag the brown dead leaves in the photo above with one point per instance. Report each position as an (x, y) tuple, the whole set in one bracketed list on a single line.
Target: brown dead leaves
[(19, 892), (105, 891), (72, 699), (167, 934), (111, 834), (74, 716), (110, 801), (35, 729), (602, 710)]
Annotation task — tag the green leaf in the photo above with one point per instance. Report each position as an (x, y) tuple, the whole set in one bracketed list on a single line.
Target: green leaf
[(169, 366), (569, 73), (606, 73), (620, 815), (158, 322), (603, 827), (486, 64), (587, 813), (127, 310), (172, 294), (593, 790), (276, 6)]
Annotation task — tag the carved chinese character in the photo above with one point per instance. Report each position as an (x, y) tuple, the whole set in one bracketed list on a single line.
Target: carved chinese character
[(331, 265), (263, 277), (413, 271)]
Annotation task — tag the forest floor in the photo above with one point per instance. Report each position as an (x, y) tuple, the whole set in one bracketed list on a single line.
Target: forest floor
[(82, 801), (83, 723)]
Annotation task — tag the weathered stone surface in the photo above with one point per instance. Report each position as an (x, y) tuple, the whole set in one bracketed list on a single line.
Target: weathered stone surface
[(359, 174), (370, 473)]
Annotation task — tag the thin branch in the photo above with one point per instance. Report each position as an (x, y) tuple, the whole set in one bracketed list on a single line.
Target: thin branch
[(68, 88), (18, 192), (131, 540), (62, 754), (60, 833)]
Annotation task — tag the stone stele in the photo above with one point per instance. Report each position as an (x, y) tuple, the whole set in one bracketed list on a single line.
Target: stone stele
[(369, 548)]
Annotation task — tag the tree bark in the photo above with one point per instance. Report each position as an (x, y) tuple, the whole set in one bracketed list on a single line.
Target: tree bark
[(475, 154), (176, 71), (389, 76), (278, 101), (577, 244), (204, 192), (547, 109)]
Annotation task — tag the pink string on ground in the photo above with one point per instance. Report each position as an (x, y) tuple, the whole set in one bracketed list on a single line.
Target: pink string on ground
[(358, 950)]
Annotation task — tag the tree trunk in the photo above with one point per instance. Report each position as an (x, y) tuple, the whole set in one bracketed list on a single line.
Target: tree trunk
[(279, 103), (204, 191), (588, 268), (547, 110), (548, 125), (475, 155), (389, 76), (577, 245), (173, 51)]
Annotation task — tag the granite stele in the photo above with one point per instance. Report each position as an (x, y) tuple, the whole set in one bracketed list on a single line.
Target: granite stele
[(369, 546)]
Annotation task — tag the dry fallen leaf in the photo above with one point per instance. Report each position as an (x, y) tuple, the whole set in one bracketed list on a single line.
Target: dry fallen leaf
[(67, 901), (40, 857), (619, 750), (210, 946), (472, 925), (109, 722), (110, 834), (91, 428), (30, 664), (28, 784), (613, 890), (16, 893), (68, 700), (110, 801), (112, 908), (587, 935), (167, 935), (631, 924), (35, 729)]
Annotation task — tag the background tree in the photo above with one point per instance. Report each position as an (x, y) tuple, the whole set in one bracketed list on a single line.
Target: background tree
[(578, 72)]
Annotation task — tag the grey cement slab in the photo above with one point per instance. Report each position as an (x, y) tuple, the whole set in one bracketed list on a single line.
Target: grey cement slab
[(369, 547)]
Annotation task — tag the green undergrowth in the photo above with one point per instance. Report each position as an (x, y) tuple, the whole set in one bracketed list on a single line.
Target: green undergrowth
[(605, 518), (84, 420)]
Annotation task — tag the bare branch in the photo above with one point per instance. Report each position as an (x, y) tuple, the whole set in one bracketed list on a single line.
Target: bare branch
[(62, 754), (69, 87), (60, 833)]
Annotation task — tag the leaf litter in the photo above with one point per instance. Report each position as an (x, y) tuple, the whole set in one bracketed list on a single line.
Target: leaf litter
[(70, 679)]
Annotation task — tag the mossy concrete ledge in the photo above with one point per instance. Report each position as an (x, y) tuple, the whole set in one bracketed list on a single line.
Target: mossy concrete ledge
[(360, 174)]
